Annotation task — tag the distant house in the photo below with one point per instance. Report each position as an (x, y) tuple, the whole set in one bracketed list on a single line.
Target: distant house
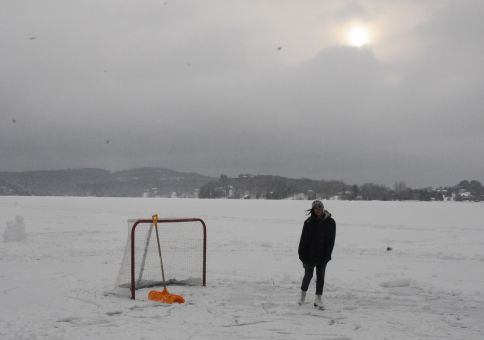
[(465, 196), (299, 196)]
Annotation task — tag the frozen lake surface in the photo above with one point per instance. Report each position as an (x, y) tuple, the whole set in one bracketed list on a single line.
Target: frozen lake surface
[(428, 286)]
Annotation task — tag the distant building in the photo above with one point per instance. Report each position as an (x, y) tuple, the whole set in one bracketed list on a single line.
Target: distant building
[(300, 196)]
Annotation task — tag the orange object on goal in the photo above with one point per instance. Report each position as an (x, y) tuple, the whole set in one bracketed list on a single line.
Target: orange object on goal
[(163, 296)]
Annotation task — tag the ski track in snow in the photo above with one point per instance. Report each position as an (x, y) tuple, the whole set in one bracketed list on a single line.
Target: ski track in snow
[(429, 286)]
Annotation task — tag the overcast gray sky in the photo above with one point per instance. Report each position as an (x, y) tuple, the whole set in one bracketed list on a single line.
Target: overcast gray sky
[(262, 87)]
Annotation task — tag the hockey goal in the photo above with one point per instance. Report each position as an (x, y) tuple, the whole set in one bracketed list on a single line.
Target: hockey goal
[(183, 244)]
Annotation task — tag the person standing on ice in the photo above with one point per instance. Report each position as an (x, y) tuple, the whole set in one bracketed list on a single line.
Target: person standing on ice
[(315, 248)]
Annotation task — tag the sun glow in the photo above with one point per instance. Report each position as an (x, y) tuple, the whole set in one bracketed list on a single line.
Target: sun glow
[(358, 36)]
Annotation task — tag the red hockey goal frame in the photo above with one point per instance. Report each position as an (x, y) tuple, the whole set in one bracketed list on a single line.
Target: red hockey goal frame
[(174, 220)]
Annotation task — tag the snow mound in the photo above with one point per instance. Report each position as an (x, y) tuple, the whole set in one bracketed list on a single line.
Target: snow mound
[(15, 230)]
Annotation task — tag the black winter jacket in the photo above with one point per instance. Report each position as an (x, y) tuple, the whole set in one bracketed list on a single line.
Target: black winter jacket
[(317, 239)]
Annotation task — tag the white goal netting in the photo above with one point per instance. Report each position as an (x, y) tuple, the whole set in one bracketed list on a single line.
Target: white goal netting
[(182, 243)]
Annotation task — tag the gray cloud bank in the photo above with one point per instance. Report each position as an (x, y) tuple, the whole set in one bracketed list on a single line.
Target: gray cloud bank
[(197, 86)]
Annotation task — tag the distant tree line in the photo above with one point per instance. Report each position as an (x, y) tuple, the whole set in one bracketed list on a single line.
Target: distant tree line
[(268, 187), (276, 187), (148, 182), (161, 182)]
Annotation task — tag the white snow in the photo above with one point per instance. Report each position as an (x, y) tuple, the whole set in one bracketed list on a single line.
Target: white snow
[(428, 286)]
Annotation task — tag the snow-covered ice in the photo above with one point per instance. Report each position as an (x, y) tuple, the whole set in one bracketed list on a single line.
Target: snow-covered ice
[(428, 286)]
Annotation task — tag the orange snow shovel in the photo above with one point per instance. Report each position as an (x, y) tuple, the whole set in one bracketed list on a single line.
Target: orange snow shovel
[(163, 296)]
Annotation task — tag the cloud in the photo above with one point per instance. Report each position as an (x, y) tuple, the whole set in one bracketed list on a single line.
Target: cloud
[(203, 87)]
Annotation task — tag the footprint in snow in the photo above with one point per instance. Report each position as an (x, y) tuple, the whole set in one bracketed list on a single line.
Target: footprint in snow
[(118, 312), (396, 283)]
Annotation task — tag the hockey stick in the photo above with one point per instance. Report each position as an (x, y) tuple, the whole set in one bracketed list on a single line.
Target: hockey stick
[(163, 296)]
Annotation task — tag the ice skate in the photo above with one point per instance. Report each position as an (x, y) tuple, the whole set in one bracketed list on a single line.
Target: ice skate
[(318, 303), (302, 298)]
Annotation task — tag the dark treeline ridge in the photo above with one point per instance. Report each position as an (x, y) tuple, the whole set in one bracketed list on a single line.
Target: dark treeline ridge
[(148, 182), (161, 182), (277, 187)]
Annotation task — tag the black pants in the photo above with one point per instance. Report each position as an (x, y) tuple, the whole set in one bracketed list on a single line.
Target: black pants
[(308, 275)]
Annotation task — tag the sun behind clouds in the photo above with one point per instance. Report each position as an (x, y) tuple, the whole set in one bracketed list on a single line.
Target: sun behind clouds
[(358, 36)]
